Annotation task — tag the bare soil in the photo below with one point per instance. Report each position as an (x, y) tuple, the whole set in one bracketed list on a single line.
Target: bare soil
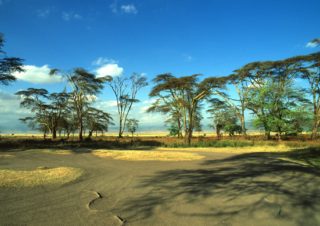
[(221, 189)]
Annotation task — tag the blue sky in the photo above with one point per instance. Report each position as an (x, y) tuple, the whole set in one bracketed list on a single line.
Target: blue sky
[(155, 36)]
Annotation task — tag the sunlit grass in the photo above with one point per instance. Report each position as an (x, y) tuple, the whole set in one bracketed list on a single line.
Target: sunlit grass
[(6, 156), (133, 155), (39, 176), (58, 152), (250, 149)]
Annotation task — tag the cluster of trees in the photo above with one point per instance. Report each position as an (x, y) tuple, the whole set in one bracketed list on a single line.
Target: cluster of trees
[(268, 90), (67, 111), (73, 111)]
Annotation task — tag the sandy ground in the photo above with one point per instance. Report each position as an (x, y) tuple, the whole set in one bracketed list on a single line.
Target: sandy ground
[(220, 189)]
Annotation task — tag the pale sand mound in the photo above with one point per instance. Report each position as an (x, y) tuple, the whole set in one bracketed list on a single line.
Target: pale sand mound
[(39, 176), (147, 155)]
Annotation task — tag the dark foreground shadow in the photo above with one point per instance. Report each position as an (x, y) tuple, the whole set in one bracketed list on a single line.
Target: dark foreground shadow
[(246, 186), (76, 146)]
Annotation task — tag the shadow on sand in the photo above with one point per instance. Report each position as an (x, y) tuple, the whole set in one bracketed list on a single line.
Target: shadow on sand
[(247, 186)]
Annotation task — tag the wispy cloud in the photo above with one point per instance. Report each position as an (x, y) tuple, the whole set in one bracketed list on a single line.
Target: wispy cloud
[(126, 9), (187, 57), (114, 6), (130, 9), (67, 16), (2, 2), (43, 13), (37, 75), (103, 60), (314, 43)]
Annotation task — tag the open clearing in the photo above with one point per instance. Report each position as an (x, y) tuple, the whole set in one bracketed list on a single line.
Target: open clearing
[(181, 187)]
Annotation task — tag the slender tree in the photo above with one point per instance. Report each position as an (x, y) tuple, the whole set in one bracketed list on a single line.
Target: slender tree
[(132, 126), (125, 90)]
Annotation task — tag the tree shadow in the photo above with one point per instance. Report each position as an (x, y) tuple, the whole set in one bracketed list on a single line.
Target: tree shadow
[(246, 186), (76, 146)]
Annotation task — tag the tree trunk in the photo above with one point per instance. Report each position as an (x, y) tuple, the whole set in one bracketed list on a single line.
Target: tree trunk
[(315, 127), (80, 130), (54, 133), (179, 129), (120, 128), (267, 134), (90, 134), (243, 125)]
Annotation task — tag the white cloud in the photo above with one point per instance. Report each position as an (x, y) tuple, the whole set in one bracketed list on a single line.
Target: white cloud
[(130, 9), (111, 69), (37, 75), (103, 60), (67, 16), (314, 43), (311, 45)]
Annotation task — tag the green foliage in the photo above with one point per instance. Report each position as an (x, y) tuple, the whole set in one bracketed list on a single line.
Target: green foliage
[(8, 65), (132, 125), (224, 118)]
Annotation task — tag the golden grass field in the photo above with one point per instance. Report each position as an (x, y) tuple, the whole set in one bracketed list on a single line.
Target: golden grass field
[(134, 155), (39, 176)]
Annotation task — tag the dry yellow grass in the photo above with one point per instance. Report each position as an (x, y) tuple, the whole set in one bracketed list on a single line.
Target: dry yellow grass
[(133, 155), (52, 151), (39, 176), (278, 148), (6, 156), (58, 152)]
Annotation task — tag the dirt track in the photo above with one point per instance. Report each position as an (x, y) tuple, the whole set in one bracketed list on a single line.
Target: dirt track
[(222, 189)]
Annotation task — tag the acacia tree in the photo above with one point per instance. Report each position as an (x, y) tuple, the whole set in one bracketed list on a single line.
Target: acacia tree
[(240, 82), (185, 94), (125, 90), (97, 121), (84, 85), (132, 126), (34, 100), (8, 65), (224, 118), (309, 70), (57, 107), (167, 104), (273, 99)]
